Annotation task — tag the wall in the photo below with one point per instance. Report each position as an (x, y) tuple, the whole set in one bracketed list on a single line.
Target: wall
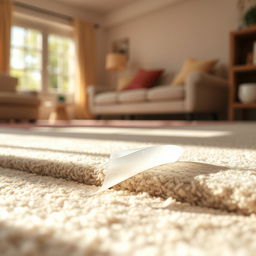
[(191, 28)]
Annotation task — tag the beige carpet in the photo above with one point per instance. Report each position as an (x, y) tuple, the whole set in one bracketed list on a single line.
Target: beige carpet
[(203, 205)]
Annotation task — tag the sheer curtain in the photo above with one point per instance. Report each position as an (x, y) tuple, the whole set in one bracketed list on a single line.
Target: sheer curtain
[(5, 34), (85, 40)]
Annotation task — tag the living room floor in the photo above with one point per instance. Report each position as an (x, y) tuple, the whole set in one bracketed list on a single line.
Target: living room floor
[(209, 134), (111, 123)]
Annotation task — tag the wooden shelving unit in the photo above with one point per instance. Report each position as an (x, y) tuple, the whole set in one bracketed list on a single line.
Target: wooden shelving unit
[(243, 105), (244, 68), (241, 43)]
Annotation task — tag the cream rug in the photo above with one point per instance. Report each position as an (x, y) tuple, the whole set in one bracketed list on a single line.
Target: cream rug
[(203, 205)]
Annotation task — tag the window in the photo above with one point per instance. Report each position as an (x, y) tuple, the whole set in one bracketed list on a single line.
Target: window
[(26, 58), (42, 61), (61, 70)]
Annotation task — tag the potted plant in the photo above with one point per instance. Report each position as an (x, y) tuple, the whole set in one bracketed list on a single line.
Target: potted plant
[(61, 98), (250, 16), (247, 12)]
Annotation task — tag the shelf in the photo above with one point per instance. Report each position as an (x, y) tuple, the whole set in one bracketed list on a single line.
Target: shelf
[(244, 105), (241, 43), (245, 32), (244, 68)]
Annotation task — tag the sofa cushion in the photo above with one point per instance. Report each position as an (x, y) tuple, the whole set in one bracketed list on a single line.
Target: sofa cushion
[(106, 98), (18, 99), (144, 79), (138, 95), (192, 65), (123, 81), (166, 92)]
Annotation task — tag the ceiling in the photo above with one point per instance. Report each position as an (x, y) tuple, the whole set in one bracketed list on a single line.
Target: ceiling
[(98, 6)]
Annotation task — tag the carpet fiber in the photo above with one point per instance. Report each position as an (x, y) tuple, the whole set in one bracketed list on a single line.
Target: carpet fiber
[(205, 204)]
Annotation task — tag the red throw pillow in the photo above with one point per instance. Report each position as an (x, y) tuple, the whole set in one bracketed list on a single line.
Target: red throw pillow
[(144, 79)]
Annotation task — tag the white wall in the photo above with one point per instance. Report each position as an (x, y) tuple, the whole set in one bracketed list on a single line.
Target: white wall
[(165, 37)]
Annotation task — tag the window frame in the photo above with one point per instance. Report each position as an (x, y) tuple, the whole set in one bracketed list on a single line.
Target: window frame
[(48, 28)]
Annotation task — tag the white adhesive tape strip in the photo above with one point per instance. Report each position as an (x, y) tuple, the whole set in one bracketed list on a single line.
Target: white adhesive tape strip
[(128, 163)]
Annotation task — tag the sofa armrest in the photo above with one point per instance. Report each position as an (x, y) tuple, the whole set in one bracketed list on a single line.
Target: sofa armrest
[(91, 90), (205, 93), (7, 83), (91, 94)]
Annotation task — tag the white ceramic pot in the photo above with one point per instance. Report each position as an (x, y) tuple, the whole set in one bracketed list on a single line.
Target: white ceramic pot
[(247, 93)]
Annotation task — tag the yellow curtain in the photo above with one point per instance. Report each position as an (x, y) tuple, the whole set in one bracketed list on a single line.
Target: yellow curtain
[(5, 34), (85, 39)]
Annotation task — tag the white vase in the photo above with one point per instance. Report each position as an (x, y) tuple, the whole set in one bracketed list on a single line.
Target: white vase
[(247, 93)]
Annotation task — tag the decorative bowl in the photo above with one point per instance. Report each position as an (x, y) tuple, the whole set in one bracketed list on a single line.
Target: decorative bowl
[(247, 92)]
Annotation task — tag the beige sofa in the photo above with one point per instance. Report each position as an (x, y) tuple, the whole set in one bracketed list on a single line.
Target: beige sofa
[(16, 105), (202, 93)]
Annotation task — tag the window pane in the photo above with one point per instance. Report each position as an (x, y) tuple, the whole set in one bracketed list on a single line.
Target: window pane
[(66, 67), (53, 82), (33, 39), (18, 36), (33, 79), (54, 44), (54, 64), (67, 46), (17, 58), (33, 59), (61, 66), (26, 57), (66, 83)]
